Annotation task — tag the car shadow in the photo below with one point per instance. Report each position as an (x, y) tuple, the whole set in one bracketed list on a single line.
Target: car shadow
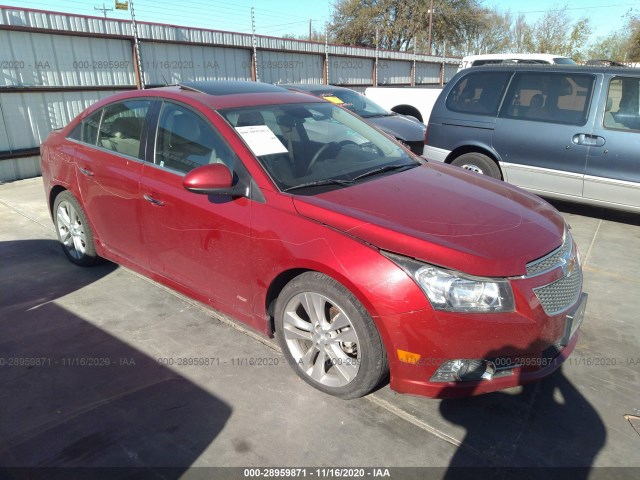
[(603, 213), (73, 395), (547, 429)]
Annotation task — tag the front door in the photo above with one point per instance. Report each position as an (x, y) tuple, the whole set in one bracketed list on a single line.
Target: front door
[(199, 241)]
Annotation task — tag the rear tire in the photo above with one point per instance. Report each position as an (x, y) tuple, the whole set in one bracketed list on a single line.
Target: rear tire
[(73, 229), (328, 337), (478, 163)]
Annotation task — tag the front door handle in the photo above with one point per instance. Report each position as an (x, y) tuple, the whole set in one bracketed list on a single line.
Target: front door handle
[(153, 201), (588, 140), (86, 172)]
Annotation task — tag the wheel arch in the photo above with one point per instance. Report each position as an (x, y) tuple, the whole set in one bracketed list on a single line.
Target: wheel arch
[(55, 191), (273, 292), (283, 278), (408, 110)]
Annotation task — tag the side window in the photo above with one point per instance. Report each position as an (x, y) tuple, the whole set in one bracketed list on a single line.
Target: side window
[(121, 127), (90, 127), (87, 130), (478, 93), (185, 141), (622, 110), (549, 97)]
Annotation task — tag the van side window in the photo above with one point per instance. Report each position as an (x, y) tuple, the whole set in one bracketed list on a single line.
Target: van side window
[(549, 97), (478, 93), (622, 110)]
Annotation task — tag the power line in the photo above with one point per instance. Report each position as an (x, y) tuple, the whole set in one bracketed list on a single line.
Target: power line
[(551, 10), (103, 10)]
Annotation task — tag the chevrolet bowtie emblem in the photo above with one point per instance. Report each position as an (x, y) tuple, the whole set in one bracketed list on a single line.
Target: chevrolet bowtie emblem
[(568, 266)]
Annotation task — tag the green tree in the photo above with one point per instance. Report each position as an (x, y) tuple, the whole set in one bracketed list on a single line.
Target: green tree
[(489, 33), (521, 36), (633, 43), (402, 24), (555, 32), (614, 46)]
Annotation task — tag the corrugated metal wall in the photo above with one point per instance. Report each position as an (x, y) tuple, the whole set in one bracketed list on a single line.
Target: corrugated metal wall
[(427, 73), (350, 70), (284, 67), (30, 116), (54, 65), (449, 70), (40, 59), (166, 63), (394, 72)]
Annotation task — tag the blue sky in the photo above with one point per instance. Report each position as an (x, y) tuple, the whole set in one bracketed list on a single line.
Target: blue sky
[(278, 17)]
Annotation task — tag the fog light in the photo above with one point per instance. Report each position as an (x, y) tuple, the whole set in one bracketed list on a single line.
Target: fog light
[(464, 370)]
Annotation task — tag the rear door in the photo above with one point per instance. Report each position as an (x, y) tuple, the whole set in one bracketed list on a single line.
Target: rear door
[(613, 169), (543, 131), (109, 166)]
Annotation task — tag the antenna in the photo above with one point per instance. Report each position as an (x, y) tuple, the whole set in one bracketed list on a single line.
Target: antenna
[(104, 10)]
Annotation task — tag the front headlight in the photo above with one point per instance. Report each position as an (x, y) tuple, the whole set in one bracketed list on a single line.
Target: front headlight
[(454, 291)]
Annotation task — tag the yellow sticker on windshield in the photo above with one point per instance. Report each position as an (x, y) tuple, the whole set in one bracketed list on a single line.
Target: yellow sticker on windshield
[(333, 99)]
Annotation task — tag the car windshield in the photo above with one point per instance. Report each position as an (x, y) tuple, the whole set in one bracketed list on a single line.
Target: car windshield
[(357, 103), (563, 61), (315, 147)]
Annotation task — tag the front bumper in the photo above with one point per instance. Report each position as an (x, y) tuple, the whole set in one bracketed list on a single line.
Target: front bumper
[(525, 346)]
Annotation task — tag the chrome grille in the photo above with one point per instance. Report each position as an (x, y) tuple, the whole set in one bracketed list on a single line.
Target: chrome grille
[(551, 260), (561, 294)]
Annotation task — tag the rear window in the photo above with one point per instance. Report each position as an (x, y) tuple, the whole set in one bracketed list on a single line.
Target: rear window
[(563, 61), (549, 97), (478, 93)]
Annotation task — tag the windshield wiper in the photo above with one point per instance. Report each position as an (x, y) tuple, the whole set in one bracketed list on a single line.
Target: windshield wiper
[(386, 168), (375, 115), (320, 183)]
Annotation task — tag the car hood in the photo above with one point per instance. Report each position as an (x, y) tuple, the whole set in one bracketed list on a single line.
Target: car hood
[(400, 127), (445, 216)]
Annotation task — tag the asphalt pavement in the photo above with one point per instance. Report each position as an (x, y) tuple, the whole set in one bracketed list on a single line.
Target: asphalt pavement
[(103, 367)]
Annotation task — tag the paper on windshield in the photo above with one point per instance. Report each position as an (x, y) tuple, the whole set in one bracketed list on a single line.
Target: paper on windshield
[(261, 140)]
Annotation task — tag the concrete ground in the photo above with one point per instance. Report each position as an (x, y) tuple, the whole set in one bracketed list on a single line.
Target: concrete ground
[(81, 383)]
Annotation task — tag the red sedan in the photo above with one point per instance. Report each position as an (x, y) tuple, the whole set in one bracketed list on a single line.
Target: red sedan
[(294, 216)]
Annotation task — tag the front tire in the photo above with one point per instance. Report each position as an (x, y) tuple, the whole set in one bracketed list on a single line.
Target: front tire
[(478, 163), (73, 229), (328, 337)]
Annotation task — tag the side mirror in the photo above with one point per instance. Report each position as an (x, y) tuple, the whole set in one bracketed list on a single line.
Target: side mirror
[(212, 179)]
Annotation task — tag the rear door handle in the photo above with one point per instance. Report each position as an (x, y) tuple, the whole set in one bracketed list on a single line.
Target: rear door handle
[(588, 140), (153, 201), (86, 172)]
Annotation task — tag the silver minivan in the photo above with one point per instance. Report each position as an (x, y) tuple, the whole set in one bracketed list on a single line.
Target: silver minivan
[(564, 132)]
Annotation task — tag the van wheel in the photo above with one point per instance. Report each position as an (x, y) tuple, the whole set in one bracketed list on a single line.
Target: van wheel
[(328, 337), (479, 163)]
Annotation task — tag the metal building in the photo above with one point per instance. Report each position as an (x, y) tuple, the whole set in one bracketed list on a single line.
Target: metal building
[(54, 65)]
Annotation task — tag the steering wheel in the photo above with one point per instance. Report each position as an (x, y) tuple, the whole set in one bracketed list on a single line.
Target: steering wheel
[(372, 147), (320, 152)]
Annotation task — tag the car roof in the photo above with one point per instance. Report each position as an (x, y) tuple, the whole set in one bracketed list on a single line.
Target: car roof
[(231, 94), (514, 56), (313, 87), (549, 68), (226, 87)]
